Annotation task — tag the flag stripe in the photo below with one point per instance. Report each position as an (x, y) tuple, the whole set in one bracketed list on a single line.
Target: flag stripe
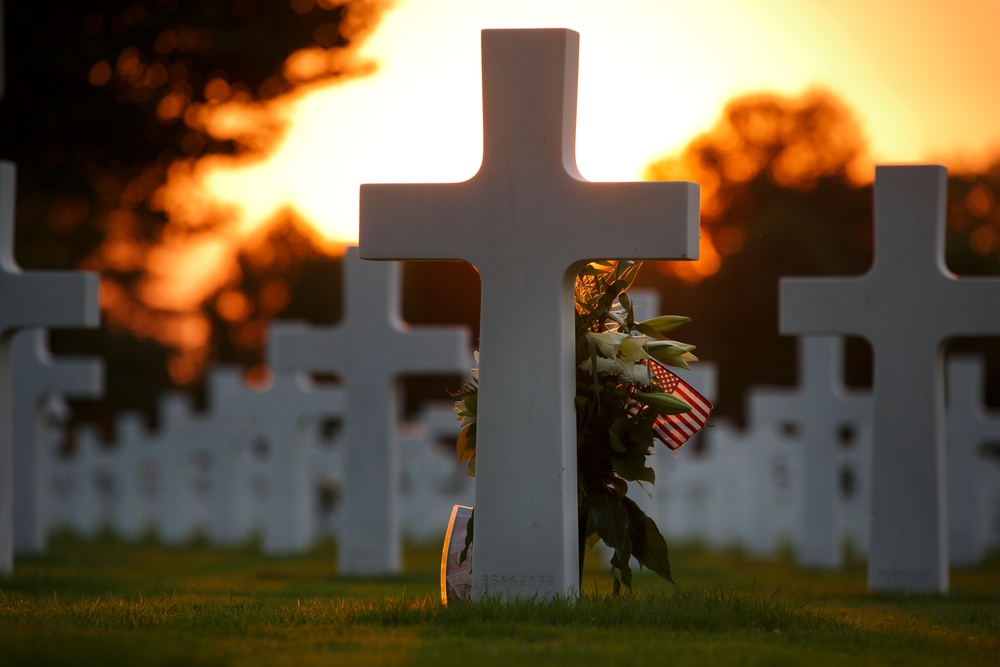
[(674, 430)]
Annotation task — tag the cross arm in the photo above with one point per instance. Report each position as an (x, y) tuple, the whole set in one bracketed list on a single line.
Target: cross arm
[(297, 346), (418, 221), (431, 349), (49, 298), (975, 307), (657, 220), (74, 377), (825, 306)]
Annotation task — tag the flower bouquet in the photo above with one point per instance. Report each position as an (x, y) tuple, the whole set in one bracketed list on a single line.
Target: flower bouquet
[(626, 400)]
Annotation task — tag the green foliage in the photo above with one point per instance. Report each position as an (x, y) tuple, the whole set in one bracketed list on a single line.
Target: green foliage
[(612, 440), (617, 404)]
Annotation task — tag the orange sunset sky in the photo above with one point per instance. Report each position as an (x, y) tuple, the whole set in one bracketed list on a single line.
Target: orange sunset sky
[(922, 76)]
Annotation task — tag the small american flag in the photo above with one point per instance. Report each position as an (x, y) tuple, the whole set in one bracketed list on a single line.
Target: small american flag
[(674, 430)]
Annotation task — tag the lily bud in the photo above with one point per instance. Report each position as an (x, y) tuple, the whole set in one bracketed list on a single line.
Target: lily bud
[(672, 353), (665, 323), (665, 404)]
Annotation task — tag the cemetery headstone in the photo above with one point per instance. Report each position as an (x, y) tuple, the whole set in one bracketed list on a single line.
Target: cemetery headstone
[(433, 480), (370, 349), (772, 507), (186, 442), (95, 502), (906, 305), (528, 222), (268, 455), (725, 485), (818, 414), (971, 429), (679, 500), (37, 377), (49, 298)]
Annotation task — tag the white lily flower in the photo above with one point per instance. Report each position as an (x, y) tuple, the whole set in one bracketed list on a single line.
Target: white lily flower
[(624, 348)]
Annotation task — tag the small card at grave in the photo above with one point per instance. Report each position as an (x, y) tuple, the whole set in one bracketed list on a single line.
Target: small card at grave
[(456, 572)]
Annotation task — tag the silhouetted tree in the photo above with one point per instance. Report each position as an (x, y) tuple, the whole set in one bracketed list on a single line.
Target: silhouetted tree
[(102, 97), (779, 198)]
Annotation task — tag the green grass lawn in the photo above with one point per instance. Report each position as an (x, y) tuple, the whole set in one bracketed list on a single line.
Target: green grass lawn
[(102, 602)]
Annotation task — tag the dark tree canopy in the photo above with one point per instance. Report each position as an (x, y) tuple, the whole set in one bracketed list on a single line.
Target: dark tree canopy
[(101, 98)]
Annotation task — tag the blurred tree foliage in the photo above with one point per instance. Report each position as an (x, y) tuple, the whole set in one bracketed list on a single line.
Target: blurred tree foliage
[(781, 196), (102, 97)]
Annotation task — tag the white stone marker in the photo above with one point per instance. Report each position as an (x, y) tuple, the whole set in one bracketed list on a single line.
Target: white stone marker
[(97, 493), (185, 440), (906, 305), (771, 508), (267, 450), (50, 298), (370, 348), (528, 222), (970, 427), (37, 376), (433, 481), (820, 408)]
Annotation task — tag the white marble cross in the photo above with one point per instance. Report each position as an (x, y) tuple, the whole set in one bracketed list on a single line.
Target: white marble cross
[(433, 481), (53, 299), (267, 448), (370, 348), (906, 306), (970, 428), (528, 222), (193, 444), (37, 375), (822, 410)]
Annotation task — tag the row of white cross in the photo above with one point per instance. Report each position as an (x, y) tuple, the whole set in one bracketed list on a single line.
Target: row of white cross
[(528, 222), (800, 473), (237, 471)]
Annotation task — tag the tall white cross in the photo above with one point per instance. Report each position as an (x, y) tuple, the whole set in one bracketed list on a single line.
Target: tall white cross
[(282, 419), (53, 299), (528, 222), (906, 306), (822, 407), (370, 348)]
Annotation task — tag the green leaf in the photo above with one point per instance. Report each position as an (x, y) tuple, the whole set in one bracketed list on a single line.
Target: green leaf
[(611, 522), (648, 545), (615, 441), (647, 330), (632, 467), (665, 323), (466, 445), (610, 518), (621, 486), (664, 404), (641, 431), (468, 538), (625, 302)]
